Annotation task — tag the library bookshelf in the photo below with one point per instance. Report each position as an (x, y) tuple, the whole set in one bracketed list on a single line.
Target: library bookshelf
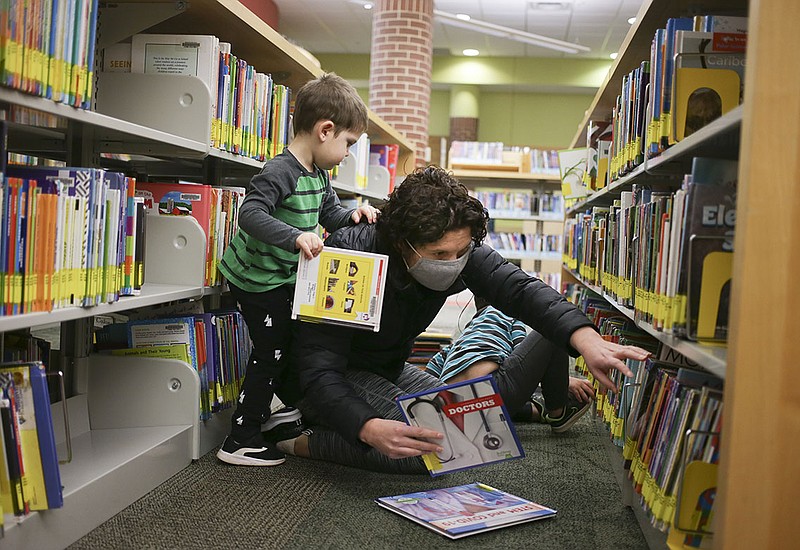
[(120, 451), (541, 225), (756, 504)]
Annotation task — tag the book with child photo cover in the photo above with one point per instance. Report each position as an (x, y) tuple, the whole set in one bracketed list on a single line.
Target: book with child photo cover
[(476, 426), (342, 287), (465, 510)]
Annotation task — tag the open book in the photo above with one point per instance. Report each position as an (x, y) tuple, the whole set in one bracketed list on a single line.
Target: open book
[(465, 510), (471, 415), (341, 286)]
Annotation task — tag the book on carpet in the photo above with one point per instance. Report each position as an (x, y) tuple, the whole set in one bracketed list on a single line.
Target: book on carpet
[(464, 510), (476, 426), (339, 286)]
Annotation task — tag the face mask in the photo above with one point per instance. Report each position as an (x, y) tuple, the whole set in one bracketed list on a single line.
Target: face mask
[(437, 274)]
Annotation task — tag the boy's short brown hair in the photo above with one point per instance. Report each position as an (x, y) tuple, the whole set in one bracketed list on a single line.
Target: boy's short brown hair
[(329, 97)]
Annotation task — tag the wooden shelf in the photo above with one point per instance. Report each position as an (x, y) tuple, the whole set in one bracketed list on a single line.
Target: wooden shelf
[(518, 177), (522, 218), (521, 255), (267, 50)]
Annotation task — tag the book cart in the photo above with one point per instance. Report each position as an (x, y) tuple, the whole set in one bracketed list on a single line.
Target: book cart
[(541, 225), (121, 449), (756, 504)]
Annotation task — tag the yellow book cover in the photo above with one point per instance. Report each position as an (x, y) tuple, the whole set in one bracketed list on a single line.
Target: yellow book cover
[(696, 511), (341, 287)]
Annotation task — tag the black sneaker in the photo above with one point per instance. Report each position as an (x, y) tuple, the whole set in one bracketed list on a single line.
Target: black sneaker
[(281, 432), (573, 410), (253, 452), (286, 415)]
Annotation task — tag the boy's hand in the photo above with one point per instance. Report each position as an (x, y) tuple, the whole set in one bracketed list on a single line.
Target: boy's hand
[(370, 213), (580, 389), (309, 244)]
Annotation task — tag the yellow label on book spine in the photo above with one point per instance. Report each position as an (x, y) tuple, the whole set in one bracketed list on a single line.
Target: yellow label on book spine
[(31, 282), (666, 127), (628, 448)]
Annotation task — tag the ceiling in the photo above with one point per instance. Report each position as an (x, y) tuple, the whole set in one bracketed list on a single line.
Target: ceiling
[(344, 26)]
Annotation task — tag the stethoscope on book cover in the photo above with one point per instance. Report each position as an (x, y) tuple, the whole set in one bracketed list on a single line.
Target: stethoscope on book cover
[(474, 425)]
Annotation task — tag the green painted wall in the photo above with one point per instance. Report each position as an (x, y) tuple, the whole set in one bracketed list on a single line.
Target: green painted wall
[(544, 120), (439, 115), (540, 115)]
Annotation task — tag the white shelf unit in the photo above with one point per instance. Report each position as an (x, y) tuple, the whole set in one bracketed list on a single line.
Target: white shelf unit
[(121, 452)]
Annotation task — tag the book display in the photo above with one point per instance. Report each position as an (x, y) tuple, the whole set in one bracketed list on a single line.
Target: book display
[(660, 249), (476, 426), (457, 512), (108, 256)]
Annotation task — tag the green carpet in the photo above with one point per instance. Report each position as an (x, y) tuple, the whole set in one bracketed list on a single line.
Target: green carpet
[(307, 504)]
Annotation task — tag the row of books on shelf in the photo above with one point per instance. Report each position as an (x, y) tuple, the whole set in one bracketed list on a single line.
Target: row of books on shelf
[(30, 479), (695, 74), (666, 417), (47, 48), (486, 154), (68, 238), (525, 242), (667, 255), (249, 112), (76, 236), (521, 203), (215, 343)]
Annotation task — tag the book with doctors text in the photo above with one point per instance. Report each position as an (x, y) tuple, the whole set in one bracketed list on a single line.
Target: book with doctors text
[(339, 286), (464, 510), (476, 426)]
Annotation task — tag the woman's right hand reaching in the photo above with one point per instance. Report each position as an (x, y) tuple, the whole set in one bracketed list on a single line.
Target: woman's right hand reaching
[(398, 440)]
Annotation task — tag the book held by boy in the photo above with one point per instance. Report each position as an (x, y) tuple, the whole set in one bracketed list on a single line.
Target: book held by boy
[(473, 419), (339, 286), (464, 510)]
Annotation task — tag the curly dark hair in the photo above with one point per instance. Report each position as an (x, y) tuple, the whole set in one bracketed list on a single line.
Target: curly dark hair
[(430, 202)]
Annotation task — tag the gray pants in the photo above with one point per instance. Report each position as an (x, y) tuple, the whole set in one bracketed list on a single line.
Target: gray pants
[(535, 361)]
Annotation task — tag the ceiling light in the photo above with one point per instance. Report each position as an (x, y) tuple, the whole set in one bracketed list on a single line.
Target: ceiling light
[(500, 31), (471, 52), (549, 6), (631, 20), (463, 16), (613, 55)]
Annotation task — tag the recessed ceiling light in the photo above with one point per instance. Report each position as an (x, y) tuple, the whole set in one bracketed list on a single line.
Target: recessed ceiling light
[(471, 52), (613, 55), (549, 6), (463, 16), (631, 20), (368, 6)]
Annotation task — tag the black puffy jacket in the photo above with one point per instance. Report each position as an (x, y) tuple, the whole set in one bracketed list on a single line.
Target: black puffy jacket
[(321, 353)]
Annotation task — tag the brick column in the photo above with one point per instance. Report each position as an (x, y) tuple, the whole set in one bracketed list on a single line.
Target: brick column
[(400, 68)]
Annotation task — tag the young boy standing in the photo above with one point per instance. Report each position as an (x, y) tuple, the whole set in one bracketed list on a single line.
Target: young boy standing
[(286, 201)]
